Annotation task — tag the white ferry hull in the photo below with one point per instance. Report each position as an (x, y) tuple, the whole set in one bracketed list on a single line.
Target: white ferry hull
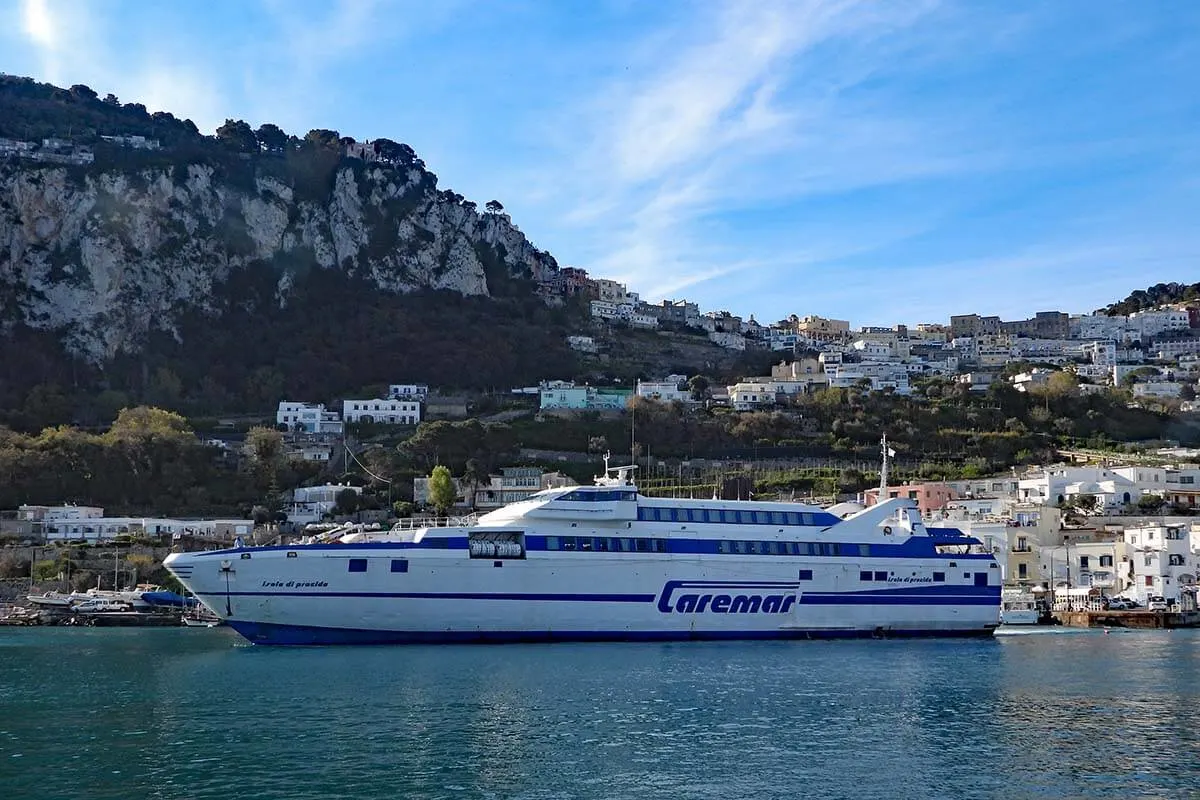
[(307, 595)]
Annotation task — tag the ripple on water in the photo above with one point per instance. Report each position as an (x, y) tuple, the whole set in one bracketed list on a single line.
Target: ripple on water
[(157, 715)]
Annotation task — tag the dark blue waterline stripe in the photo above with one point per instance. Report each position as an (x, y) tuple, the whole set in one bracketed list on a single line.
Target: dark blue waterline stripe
[(806, 598), (576, 598), (299, 635)]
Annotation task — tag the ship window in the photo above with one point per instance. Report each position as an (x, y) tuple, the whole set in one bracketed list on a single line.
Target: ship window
[(807, 519), (778, 518), (805, 575), (865, 575), (881, 576), (585, 543), (939, 577), (399, 565), (792, 517), (738, 547), (746, 517), (358, 565), (602, 545), (568, 543), (836, 548), (643, 545), (551, 542), (792, 548), (660, 545), (864, 550), (762, 517), (644, 515)]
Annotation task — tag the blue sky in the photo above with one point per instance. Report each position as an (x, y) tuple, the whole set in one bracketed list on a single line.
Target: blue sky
[(878, 162)]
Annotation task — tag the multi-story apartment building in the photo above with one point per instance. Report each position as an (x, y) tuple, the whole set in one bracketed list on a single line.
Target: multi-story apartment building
[(308, 418), (387, 411)]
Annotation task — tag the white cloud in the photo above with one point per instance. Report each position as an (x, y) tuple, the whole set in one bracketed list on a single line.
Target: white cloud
[(736, 110)]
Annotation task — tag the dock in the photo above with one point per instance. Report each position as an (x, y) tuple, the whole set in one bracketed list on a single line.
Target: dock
[(1146, 620)]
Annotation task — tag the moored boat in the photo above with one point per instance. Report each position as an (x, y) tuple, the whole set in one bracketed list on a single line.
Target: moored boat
[(604, 562)]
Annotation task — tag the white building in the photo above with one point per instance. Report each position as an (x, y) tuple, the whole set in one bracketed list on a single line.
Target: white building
[(313, 503), (408, 391), (99, 529), (1157, 389), (308, 418), (1059, 485), (58, 513), (1162, 563), (582, 344), (730, 341), (384, 412), (752, 394), (1156, 322), (1036, 378), (1101, 353), (665, 391)]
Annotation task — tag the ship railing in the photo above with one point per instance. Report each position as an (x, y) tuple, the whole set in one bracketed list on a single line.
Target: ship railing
[(415, 523)]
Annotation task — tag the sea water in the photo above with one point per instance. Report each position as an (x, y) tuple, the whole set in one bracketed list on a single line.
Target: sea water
[(195, 713)]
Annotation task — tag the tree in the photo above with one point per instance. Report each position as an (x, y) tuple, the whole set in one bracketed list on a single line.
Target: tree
[(442, 493), (1187, 392), (271, 138), (265, 446), (698, 385), (348, 502), (494, 207), (475, 476), (237, 135), (323, 137), (1062, 384), (146, 422), (111, 100), (83, 92), (1149, 503)]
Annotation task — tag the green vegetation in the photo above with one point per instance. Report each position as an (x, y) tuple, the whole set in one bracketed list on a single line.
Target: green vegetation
[(148, 462), (441, 489), (1157, 295)]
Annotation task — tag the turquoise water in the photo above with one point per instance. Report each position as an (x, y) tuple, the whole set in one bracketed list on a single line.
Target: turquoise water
[(165, 713)]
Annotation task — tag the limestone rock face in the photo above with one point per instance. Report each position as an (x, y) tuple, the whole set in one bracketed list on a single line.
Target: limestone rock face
[(106, 256)]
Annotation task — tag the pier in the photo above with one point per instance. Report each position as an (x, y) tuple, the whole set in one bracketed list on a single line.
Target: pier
[(1147, 620)]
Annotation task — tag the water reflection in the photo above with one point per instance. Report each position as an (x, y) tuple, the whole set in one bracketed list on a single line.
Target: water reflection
[(188, 714)]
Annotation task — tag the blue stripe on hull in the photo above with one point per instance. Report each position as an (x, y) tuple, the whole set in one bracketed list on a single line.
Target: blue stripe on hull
[(274, 634)]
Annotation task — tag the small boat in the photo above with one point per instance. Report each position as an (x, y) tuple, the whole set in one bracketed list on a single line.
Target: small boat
[(56, 599), (1018, 607)]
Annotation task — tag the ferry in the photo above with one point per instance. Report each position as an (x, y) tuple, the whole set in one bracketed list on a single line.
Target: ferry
[(603, 562)]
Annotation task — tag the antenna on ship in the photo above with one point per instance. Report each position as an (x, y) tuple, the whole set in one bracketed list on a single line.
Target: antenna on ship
[(883, 471)]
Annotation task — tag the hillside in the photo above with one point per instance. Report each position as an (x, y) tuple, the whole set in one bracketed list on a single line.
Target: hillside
[(216, 272), (1160, 294)]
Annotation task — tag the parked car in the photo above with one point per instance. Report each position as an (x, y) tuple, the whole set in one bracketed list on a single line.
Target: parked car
[(1119, 604), (1156, 603)]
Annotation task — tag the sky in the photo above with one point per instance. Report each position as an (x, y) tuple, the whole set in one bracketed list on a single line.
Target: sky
[(876, 162)]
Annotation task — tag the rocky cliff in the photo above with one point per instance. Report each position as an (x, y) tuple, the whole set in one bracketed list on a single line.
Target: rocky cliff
[(106, 255)]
